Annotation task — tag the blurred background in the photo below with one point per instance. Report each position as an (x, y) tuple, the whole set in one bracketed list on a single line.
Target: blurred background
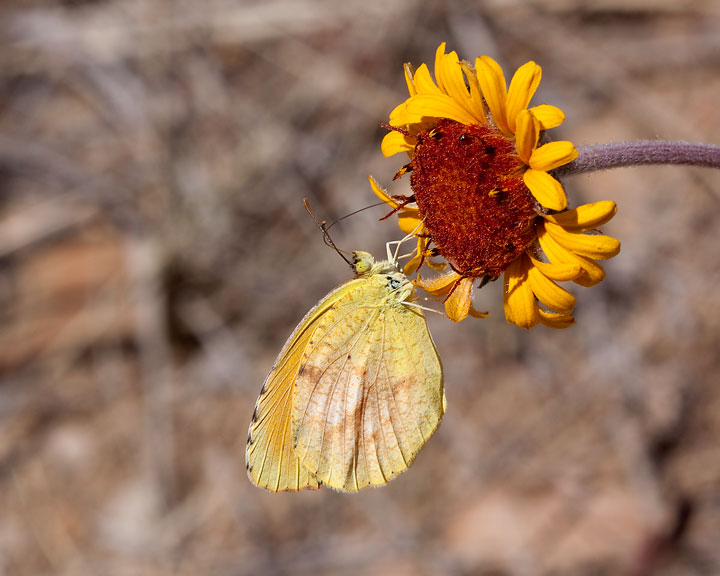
[(155, 254)]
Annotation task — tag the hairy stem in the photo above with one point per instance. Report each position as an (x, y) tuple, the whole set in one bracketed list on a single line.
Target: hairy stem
[(639, 152)]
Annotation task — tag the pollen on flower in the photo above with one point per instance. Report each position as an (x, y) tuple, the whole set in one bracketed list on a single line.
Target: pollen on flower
[(468, 184)]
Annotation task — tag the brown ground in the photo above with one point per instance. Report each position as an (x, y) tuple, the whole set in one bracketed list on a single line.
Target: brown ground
[(155, 255)]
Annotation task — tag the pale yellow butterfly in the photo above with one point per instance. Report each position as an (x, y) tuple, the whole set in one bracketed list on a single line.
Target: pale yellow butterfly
[(355, 392)]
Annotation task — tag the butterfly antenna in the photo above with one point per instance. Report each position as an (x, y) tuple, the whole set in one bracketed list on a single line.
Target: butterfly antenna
[(355, 212), (322, 224)]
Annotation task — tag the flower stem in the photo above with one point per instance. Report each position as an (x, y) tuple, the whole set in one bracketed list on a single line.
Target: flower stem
[(639, 152)]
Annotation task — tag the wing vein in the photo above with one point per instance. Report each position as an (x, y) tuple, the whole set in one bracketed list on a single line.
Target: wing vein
[(333, 385)]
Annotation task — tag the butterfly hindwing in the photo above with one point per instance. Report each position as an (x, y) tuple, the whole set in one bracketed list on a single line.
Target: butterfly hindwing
[(369, 390)]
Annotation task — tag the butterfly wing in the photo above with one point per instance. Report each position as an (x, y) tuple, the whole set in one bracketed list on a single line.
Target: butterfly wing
[(270, 459), (369, 392)]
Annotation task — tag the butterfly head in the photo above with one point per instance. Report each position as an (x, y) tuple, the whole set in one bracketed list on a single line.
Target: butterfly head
[(366, 265), (363, 262)]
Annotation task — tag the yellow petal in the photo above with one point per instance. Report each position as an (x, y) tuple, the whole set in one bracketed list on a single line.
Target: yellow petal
[(476, 103), (439, 285), (457, 305), (585, 217), (549, 293), (408, 216), (409, 74), (409, 220), (475, 314), (439, 57), (592, 274), (522, 88), (381, 193), (414, 263), (439, 65), (423, 81), (548, 116), (450, 79), (552, 155), (398, 116), (560, 272), (526, 135), (552, 320), (395, 142), (545, 189), (519, 302), (437, 266), (493, 87), (596, 246), (437, 106)]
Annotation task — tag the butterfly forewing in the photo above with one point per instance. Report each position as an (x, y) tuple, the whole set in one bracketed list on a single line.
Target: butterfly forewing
[(270, 458)]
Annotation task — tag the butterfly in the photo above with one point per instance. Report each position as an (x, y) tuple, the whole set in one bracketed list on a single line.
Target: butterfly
[(355, 393)]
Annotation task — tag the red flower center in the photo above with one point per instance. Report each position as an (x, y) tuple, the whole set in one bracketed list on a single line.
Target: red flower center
[(471, 196)]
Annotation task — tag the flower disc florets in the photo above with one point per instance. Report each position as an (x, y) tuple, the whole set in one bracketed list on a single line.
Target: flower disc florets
[(471, 197)]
